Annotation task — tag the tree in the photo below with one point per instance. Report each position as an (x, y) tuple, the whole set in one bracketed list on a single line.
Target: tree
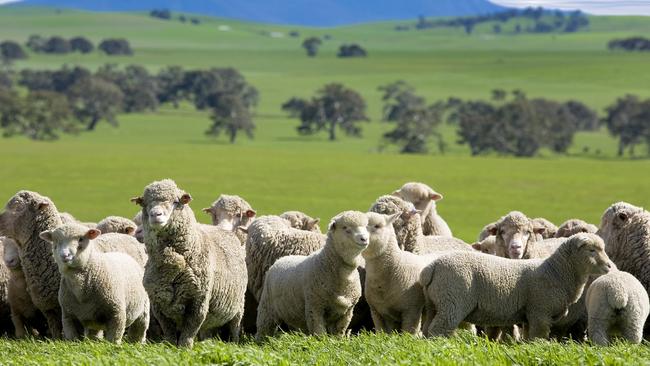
[(42, 115), (295, 106), (36, 43), (496, 28), (140, 89), (170, 85), (164, 14), (57, 45), (11, 51), (351, 50), (586, 119), (58, 81), (81, 44), (499, 94), (199, 85), (414, 128), (93, 100), (476, 125), (311, 45), (230, 115), (628, 120), (333, 106), (116, 47)]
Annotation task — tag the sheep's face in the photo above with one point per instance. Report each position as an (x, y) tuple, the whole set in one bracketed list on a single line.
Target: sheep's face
[(70, 244), (159, 201), (301, 221), (11, 256), (592, 254), (575, 226), (230, 212), (549, 228), (349, 231), (382, 234), (513, 233), (19, 215), (487, 246), (419, 194), (615, 219)]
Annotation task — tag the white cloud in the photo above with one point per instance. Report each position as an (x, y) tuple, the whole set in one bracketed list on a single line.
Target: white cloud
[(601, 7), (8, 1)]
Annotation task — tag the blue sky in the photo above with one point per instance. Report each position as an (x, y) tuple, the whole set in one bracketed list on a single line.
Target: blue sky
[(613, 7)]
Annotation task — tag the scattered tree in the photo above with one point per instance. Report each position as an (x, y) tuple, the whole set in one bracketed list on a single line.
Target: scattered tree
[(170, 83), (94, 100), (57, 45), (629, 120), (311, 45), (230, 114), (36, 43), (116, 47), (139, 88), (630, 44), (81, 44), (163, 14), (351, 50)]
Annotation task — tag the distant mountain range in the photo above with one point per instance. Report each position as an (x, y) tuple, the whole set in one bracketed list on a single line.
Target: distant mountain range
[(297, 12)]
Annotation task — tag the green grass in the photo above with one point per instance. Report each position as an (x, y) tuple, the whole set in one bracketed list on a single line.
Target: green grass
[(94, 174)]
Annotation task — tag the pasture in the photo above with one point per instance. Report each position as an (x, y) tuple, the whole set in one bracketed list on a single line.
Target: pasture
[(93, 175)]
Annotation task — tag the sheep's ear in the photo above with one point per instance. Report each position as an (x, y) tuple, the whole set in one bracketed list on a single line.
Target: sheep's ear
[(207, 210), (396, 194), (477, 246), (92, 234), (185, 198), (539, 229), (493, 229), (435, 196), (250, 213), (622, 216), (43, 205), (130, 230), (138, 201), (332, 225), (391, 218), (313, 223), (47, 236)]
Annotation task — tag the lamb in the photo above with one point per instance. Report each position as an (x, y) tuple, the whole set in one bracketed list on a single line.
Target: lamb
[(424, 198), (617, 303), (492, 291), (408, 228), (302, 221), (516, 235), (391, 285), (574, 226), (196, 274), (139, 233), (99, 291), (489, 246), (25, 317), (26, 215), (316, 294), (271, 238), (117, 224), (549, 228), (229, 212)]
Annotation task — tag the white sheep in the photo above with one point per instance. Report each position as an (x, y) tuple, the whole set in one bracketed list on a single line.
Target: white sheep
[(99, 291), (392, 289), (229, 212), (316, 294), (117, 224), (5, 308), (25, 317), (424, 198), (492, 291), (196, 274), (139, 233), (617, 304), (300, 220), (550, 229), (515, 234), (574, 226)]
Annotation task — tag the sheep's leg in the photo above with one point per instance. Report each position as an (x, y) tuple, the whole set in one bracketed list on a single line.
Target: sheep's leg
[(115, 328), (315, 320), (53, 317), (597, 330), (341, 325), (448, 317), (411, 321), (19, 325), (195, 314), (234, 327), (428, 314), (93, 334), (378, 320), (266, 320), (633, 331), (168, 326), (538, 327), (71, 327), (137, 332), (494, 333)]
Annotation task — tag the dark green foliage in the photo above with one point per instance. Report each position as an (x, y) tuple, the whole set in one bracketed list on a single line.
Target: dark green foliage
[(628, 119), (230, 114), (36, 43), (311, 45), (81, 44), (294, 106), (57, 45), (139, 88), (351, 50), (200, 85), (10, 50), (164, 14), (630, 44), (334, 106), (93, 100), (116, 47), (58, 81), (170, 81), (41, 115)]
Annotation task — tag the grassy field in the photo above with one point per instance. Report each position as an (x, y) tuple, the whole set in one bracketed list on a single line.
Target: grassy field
[(94, 174)]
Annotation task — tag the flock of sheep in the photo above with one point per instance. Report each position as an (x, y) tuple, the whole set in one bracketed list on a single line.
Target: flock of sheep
[(164, 276)]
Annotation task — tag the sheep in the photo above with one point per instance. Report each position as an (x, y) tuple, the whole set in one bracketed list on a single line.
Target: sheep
[(574, 226), (316, 294), (408, 228), (492, 291), (99, 291), (617, 303), (549, 228), (391, 285), (67, 218), (196, 274), (26, 215), (271, 238), (515, 234), (302, 221), (138, 234), (229, 212), (117, 224), (488, 245), (5, 309), (25, 317), (424, 198)]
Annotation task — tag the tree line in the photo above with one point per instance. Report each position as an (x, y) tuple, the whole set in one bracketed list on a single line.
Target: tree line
[(630, 44), (312, 44), (166, 14), (11, 50), (74, 99)]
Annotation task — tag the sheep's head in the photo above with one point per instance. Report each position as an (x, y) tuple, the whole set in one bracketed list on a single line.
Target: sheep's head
[(615, 219), (139, 232), (301, 221), (70, 244), (349, 233), (382, 234), (22, 212), (575, 226), (588, 253), (117, 224), (11, 256), (513, 234), (230, 212), (159, 201), (488, 246), (549, 228), (407, 226), (421, 196)]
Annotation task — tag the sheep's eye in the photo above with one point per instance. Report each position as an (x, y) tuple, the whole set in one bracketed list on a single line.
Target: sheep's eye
[(81, 239), (593, 251), (345, 227), (377, 226)]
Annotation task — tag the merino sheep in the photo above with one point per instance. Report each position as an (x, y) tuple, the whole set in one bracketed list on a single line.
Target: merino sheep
[(489, 246), (617, 303), (67, 218), (196, 274), (5, 309), (549, 228), (271, 238), (424, 198), (302, 221), (99, 291), (391, 285), (139, 233), (408, 228), (515, 234), (316, 294), (26, 215), (229, 212), (492, 291), (117, 224), (25, 317), (575, 226)]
